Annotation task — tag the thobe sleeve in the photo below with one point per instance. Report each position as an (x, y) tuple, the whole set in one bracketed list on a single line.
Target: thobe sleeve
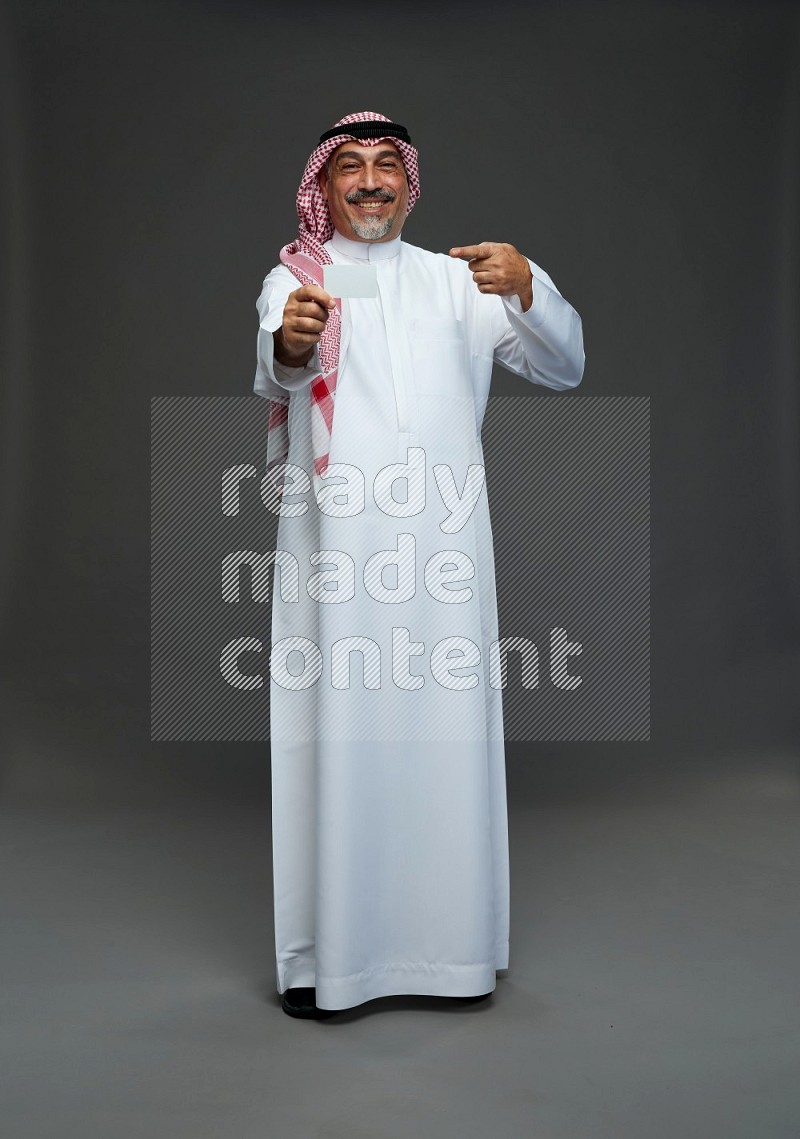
[(270, 374), (545, 343)]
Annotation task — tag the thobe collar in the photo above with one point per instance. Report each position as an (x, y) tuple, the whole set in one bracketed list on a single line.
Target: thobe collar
[(365, 250)]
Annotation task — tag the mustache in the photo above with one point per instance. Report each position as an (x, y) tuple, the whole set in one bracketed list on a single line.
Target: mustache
[(370, 196)]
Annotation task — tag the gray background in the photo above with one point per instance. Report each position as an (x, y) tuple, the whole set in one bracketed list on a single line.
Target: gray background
[(646, 155)]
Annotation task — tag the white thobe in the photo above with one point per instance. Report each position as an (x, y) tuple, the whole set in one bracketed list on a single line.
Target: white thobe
[(390, 834)]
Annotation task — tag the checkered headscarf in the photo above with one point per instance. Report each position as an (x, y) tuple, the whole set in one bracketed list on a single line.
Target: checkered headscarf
[(305, 256)]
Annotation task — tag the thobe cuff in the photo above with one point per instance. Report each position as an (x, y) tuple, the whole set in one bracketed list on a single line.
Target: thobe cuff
[(285, 377), (534, 316)]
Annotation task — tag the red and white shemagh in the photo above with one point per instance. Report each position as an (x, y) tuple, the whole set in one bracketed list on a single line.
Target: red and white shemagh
[(305, 256)]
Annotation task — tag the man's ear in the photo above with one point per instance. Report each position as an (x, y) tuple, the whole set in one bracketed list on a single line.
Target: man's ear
[(322, 179)]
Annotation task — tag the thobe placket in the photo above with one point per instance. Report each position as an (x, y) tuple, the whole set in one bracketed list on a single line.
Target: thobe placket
[(387, 258), (399, 354)]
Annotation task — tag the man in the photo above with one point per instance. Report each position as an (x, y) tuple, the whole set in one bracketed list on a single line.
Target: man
[(390, 845)]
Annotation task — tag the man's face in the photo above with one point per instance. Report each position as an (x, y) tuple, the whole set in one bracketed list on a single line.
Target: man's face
[(366, 191)]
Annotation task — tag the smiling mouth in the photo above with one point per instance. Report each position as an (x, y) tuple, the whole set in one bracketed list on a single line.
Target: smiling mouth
[(370, 207)]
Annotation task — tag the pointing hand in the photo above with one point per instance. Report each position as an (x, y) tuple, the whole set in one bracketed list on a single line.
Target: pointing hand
[(499, 268)]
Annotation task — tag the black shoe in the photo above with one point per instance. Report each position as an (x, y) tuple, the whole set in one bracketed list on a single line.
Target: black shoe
[(303, 1003)]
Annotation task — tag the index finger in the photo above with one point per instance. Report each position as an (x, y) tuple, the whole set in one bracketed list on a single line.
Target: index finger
[(314, 293), (469, 252)]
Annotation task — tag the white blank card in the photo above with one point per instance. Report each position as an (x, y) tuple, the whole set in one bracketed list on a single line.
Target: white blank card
[(351, 280)]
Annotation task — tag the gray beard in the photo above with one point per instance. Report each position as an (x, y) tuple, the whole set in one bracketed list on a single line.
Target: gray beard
[(372, 230)]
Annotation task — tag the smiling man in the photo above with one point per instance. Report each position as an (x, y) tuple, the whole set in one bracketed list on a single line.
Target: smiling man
[(366, 190), (390, 844)]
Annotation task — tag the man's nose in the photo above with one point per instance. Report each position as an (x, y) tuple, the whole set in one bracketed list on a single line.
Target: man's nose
[(370, 180)]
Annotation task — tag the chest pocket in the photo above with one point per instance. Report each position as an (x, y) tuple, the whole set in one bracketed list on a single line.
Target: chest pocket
[(440, 358)]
